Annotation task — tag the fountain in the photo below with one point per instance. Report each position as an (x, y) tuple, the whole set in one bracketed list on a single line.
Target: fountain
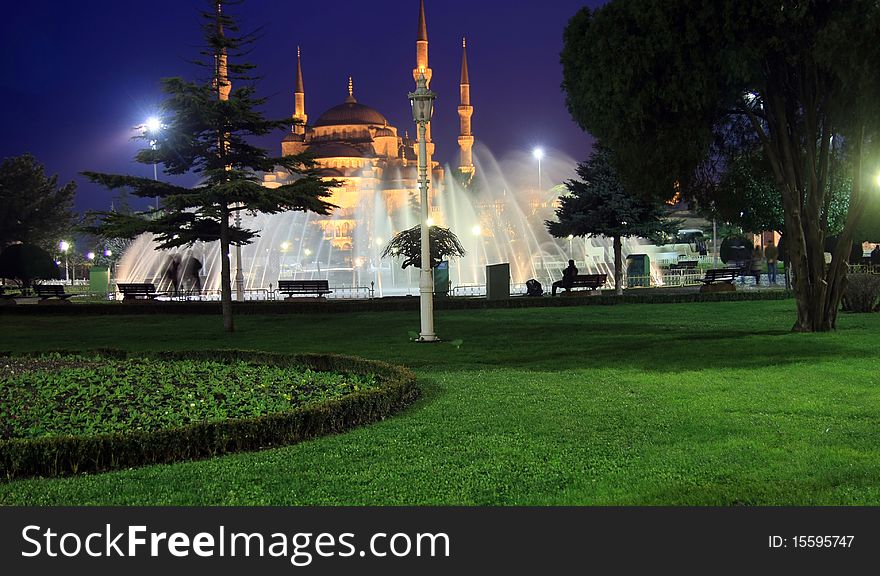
[(500, 220)]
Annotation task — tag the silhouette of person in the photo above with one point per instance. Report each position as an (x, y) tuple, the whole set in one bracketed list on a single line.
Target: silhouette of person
[(568, 276), (172, 273), (193, 274)]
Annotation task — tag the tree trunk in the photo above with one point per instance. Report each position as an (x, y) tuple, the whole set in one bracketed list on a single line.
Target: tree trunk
[(797, 143), (618, 266), (225, 272)]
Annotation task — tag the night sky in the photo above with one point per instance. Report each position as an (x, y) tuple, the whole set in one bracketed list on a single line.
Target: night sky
[(78, 76)]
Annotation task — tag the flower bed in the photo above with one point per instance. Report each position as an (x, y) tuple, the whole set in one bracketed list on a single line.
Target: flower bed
[(66, 413)]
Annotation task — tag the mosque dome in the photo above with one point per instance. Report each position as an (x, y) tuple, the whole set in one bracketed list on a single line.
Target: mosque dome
[(350, 113)]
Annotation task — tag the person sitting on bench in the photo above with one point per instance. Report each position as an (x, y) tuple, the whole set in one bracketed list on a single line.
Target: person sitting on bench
[(568, 276)]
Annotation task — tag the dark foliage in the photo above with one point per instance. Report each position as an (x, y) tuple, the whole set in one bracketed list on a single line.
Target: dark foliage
[(598, 205), (659, 81), (408, 245), (25, 263), (861, 293), (33, 208)]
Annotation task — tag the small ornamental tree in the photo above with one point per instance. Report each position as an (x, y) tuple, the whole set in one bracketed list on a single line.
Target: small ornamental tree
[(597, 205), (408, 245), (206, 130)]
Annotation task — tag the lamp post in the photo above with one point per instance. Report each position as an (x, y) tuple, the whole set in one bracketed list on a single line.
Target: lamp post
[(154, 126), (65, 246), (108, 253), (239, 275), (538, 153), (423, 108)]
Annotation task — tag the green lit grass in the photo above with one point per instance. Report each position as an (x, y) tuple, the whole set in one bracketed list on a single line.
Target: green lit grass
[(635, 404)]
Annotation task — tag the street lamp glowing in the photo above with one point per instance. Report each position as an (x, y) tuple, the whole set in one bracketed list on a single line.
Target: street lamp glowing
[(538, 153), (429, 221), (476, 230), (307, 252), (64, 246), (108, 253), (379, 241), (285, 246), (90, 255), (153, 125)]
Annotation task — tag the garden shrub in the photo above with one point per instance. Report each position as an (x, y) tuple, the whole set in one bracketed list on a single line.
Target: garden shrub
[(861, 293), (73, 454)]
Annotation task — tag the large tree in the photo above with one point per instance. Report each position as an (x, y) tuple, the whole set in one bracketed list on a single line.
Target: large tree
[(598, 205), (659, 80), (33, 208), (206, 130), (736, 184)]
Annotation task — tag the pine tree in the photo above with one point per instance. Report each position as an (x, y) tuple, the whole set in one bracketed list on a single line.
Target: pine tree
[(35, 209), (206, 127), (597, 204)]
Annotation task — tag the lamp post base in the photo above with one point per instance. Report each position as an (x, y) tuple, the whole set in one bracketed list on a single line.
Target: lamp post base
[(428, 338)]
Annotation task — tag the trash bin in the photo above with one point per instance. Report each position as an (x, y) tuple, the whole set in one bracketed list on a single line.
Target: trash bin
[(99, 280), (498, 281), (441, 278), (638, 270)]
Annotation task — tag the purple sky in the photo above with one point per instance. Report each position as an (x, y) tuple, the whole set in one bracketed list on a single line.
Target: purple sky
[(77, 76)]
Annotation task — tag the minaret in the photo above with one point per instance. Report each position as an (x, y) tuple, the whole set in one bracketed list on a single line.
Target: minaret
[(422, 68), (299, 95), (465, 111), (221, 72)]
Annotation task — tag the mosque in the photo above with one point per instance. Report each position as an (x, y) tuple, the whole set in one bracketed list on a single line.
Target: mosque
[(376, 165)]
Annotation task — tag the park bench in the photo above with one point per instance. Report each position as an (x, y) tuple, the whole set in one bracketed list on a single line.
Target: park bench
[(590, 281), (684, 265), (46, 291), (138, 291), (720, 275), (299, 287)]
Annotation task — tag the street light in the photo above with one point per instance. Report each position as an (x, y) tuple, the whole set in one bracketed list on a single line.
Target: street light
[(538, 153), (107, 254), (65, 246), (422, 101), (153, 127)]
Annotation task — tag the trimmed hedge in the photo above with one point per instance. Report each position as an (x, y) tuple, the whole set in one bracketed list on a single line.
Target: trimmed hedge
[(861, 293), (65, 455), (398, 304)]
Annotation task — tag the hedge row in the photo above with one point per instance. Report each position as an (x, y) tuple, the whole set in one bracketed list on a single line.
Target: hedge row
[(64, 455), (395, 304)]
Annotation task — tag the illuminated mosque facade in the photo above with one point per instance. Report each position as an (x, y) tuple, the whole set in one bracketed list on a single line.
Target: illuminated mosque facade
[(376, 164)]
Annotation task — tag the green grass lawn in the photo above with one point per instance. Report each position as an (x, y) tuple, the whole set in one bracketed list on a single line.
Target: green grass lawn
[(634, 404)]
